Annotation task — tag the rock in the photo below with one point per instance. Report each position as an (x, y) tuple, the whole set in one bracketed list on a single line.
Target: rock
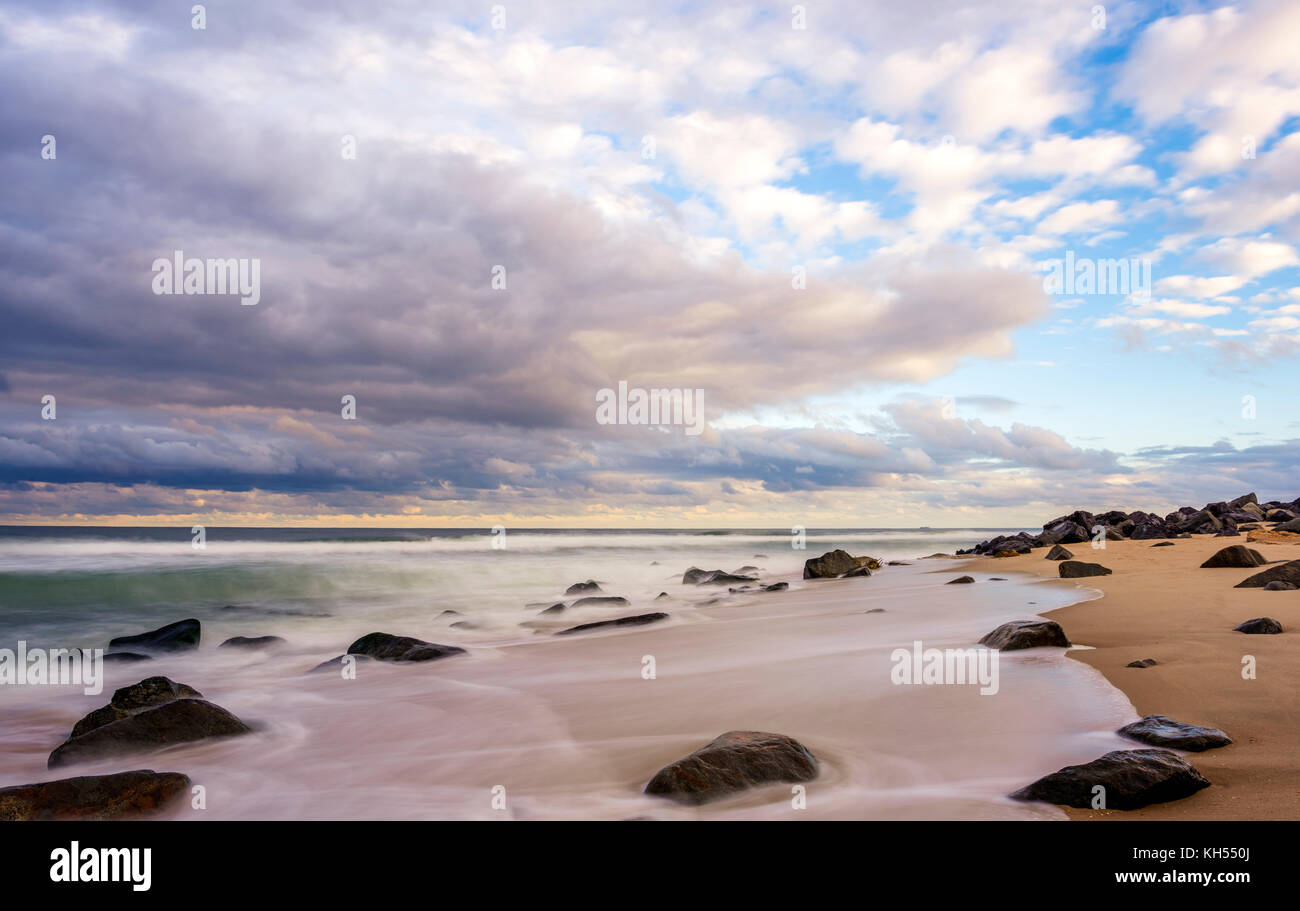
[(1243, 500), (464, 624), (744, 570), (637, 620), (1263, 536), (1277, 585), (1059, 553), (557, 608), (583, 588), (128, 700), (385, 647), (252, 642), (1259, 626), (601, 601), (662, 596), (1019, 634), (180, 636), (1002, 554), (1293, 525), (1161, 731), (776, 587), (1163, 544), (869, 562), (95, 797), (829, 565), (940, 557), (696, 576), (960, 580), (1131, 779), (125, 658), (997, 578), (174, 722), (1075, 569), (898, 563), (1278, 515), (1285, 572), (733, 762), (857, 571), (1144, 662), (1238, 555)]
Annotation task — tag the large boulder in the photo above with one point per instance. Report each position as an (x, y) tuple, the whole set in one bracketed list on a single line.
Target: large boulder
[(1237, 555), (601, 601), (180, 636), (128, 700), (1059, 553), (1284, 572), (829, 565), (1020, 634), (174, 722), (252, 642), (385, 647), (697, 576), (1130, 779), (637, 620), (1293, 525), (1162, 731), (1265, 626), (732, 762), (94, 797), (1076, 569)]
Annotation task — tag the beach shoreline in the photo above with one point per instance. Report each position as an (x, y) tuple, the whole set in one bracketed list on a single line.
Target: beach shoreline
[(1159, 603)]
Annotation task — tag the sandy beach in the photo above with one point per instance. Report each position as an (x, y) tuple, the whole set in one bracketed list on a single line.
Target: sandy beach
[(1159, 603)]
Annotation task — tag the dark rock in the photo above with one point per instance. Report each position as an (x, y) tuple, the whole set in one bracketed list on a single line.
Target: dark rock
[(252, 642), (464, 624), (455, 613), (898, 563), (1131, 779), (1243, 500), (856, 571), (128, 700), (1277, 585), (1019, 634), (829, 565), (960, 580), (385, 647), (637, 620), (94, 797), (733, 762), (1293, 525), (662, 596), (1163, 544), (1075, 569), (174, 637), (744, 570), (1059, 553), (1144, 662), (776, 587), (1259, 626), (601, 601), (589, 587), (696, 576), (175, 722), (557, 608), (997, 579), (1161, 731), (1238, 555), (1285, 572), (125, 658)]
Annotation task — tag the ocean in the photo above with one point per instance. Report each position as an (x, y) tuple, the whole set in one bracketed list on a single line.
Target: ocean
[(567, 727)]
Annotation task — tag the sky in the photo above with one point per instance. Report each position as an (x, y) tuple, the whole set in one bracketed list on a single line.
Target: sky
[(844, 227)]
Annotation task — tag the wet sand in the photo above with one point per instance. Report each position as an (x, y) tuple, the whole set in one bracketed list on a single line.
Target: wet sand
[(1160, 604)]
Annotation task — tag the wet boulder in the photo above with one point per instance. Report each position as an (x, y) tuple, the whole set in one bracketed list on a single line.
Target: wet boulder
[(128, 700), (1162, 731), (1058, 553), (637, 620), (830, 565), (1020, 634), (386, 647), (175, 722), (960, 580), (697, 576), (94, 797), (590, 587), (1284, 572), (180, 636), (251, 643), (601, 601), (1129, 779), (733, 762)]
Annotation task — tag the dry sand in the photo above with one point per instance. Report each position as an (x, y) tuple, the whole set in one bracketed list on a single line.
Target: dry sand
[(1160, 604)]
